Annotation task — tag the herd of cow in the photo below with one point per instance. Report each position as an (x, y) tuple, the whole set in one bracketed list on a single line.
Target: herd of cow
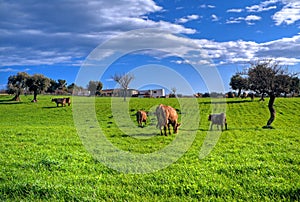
[(166, 116)]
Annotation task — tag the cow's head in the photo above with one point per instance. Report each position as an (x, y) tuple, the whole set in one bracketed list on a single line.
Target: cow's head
[(177, 125), (209, 117)]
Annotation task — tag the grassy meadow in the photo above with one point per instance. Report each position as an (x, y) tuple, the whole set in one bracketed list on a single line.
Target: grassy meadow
[(42, 157)]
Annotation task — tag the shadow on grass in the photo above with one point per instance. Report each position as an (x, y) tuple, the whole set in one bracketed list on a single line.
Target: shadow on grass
[(227, 102), (50, 107), (233, 129), (10, 102), (145, 135)]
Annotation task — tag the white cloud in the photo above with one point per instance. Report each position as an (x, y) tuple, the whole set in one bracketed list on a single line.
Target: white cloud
[(13, 70), (207, 6), (248, 19), (259, 8), (214, 17), (263, 6), (235, 20), (285, 50), (57, 32), (51, 34), (252, 18), (188, 18), (289, 14), (235, 10)]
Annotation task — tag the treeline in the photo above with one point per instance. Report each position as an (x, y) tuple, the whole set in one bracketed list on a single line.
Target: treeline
[(23, 83), (266, 79)]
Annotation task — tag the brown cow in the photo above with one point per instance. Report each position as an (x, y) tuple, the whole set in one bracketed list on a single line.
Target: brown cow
[(167, 115), (68, 100), (58, 101), (141, 116), (218, 119)]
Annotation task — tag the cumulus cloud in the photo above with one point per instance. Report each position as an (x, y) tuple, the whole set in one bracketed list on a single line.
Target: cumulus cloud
[(66, 31), (49, 33), (204, 52), (263, 6), (285, 50), (289, 14)]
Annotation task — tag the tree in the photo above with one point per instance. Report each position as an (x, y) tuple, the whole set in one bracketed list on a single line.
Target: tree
[(173, 92), (270, 78), (37, 83), (73, 88), (124, 81), (95, 87), (295, 86), (16, 84), (57, 87), (237, 82), (52, 87), (62, 85)]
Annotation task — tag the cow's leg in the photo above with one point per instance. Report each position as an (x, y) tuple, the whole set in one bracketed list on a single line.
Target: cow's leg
[(211, 125), (165, 130), (174, 127)]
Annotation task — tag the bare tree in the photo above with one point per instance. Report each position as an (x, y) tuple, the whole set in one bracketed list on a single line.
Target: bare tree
[(123, 80), (173, 92)]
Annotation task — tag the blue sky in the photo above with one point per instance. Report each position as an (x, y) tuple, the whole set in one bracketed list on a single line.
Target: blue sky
[(56, 38)]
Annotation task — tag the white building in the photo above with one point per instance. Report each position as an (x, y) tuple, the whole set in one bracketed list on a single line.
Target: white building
[(152, 93)]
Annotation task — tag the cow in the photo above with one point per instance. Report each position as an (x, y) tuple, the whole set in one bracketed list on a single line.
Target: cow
[(68, 100), (58, 101), (167, 115), (251, 95), (244, 95), (218, 119), (141, 116)]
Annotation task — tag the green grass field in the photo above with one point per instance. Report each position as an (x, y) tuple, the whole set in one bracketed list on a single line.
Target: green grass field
[(43, 158)]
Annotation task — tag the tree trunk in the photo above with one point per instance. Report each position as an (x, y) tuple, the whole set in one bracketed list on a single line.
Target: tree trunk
[(262, 97), (125, 94), (17, 97), (34, 96), (272, 110), (239, 92)]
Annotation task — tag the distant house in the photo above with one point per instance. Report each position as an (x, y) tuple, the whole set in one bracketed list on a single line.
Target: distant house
[(107, 92), (118, 92), (152, 93), (133, 93), (82, 92)]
